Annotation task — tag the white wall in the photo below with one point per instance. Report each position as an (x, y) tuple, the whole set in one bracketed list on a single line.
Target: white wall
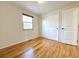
[(11, 31), (34, 33)]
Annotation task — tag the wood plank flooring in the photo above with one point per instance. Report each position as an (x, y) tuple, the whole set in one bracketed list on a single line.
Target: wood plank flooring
[(40, 48)]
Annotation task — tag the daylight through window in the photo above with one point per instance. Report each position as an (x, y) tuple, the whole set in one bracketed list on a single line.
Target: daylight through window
[(27, 22)]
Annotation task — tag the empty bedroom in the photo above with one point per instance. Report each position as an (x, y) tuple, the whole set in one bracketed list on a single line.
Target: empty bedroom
[(39, 29)]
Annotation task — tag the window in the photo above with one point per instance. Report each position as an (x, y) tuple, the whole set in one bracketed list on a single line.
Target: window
[(27, 21)]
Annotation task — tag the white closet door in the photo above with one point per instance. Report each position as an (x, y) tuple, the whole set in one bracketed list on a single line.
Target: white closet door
[(69, 24), (50, 26)]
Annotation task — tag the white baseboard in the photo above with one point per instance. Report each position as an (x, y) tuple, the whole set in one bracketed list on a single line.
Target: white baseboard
[(16, 43)]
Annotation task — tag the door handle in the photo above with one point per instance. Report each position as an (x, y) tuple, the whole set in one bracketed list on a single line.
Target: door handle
[(62, 28), (57, 28)]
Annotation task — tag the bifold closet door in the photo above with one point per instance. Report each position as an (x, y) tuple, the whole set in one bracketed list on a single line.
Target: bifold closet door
[(69, 26), (50, 26)]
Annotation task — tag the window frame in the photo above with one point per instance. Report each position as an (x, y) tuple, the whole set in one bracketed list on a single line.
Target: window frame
[(23, 22)]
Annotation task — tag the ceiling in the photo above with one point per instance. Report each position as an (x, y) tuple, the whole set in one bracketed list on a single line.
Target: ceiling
[(45, 7)]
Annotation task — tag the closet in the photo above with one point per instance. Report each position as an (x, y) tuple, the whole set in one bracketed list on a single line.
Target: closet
[(61, 25), (50, 24)]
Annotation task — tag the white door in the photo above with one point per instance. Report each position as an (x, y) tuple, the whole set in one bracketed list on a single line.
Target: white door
[(69, 26), (50, 26)]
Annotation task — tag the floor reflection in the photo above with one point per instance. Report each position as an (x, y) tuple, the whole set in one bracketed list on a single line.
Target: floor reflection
[(29, 53)]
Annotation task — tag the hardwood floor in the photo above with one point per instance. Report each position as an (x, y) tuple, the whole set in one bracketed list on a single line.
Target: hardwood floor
[(40, 48)]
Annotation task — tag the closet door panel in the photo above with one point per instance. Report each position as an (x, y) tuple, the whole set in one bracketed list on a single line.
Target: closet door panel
[(68, 30), (50, 26)]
